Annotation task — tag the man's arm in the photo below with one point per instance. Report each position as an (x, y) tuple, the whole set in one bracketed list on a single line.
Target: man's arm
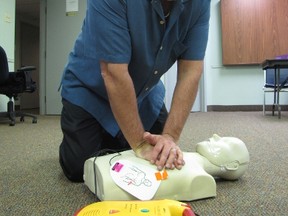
[(188, 76), (123, 102), (122, 98)]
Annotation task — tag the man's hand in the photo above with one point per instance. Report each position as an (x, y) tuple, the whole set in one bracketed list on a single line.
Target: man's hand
[(160, 150)]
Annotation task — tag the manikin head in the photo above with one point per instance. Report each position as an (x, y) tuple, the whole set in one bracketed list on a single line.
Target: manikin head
[(229, 154)]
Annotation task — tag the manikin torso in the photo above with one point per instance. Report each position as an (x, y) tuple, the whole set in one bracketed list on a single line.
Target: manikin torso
[(223, 157)]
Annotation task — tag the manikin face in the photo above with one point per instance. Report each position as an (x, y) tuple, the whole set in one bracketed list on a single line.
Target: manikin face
[(228, 152)]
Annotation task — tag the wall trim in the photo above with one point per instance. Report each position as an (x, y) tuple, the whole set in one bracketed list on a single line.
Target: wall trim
[(229, 108)]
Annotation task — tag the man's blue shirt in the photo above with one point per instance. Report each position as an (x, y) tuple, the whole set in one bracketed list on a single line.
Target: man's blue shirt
[(133, 32)]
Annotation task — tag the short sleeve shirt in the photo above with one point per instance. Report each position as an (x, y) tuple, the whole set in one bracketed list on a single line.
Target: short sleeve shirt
[(136, 33)]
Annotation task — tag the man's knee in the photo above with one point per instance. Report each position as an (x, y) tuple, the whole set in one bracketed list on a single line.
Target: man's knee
[(72, 168)]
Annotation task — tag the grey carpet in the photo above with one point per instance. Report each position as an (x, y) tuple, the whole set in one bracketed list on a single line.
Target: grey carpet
[(31, 181)]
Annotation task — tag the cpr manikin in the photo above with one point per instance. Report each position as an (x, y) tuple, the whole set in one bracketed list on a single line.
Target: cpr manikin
[(218, 157)]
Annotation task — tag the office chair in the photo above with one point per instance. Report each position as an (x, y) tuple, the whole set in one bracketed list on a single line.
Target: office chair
[(12, 84), (269, 85)]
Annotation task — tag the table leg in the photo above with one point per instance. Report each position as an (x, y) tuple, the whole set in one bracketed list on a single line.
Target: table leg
[(278, 93), (275, 91)]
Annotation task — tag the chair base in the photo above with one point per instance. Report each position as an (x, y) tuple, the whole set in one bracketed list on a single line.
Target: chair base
[(12, 114)]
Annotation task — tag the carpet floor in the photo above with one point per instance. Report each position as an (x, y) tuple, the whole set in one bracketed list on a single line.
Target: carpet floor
[(31, 181)]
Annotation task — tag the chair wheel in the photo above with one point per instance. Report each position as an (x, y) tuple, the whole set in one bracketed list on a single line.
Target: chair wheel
[(22, 119), (34, 121)]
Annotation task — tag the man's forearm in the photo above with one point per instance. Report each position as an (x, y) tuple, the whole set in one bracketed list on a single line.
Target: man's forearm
[(189, 74), (123, 102)]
